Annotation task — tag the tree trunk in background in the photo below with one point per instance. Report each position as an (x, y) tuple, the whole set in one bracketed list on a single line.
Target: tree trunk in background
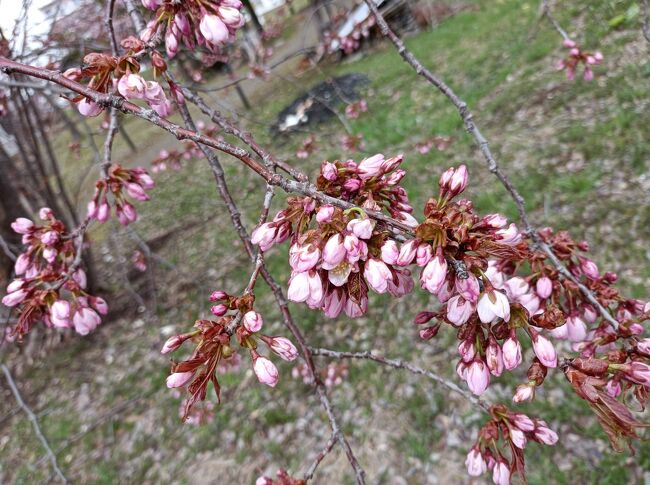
[(254, 17)]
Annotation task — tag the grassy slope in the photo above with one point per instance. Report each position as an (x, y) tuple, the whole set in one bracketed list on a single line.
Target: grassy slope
[(579, 153)]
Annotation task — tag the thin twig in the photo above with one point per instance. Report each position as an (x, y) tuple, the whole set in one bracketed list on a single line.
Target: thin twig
[(546, 11), (484, 147), (400, 364), (34, 420), (309, 474)]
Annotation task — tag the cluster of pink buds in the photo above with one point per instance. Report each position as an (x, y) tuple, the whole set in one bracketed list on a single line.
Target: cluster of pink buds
[(207, 23), (441, 143), (576, 57), (354, 110), (352, 143), (235, 316), (515, 430), (50, 286), (335, 263), (332, 375), (133, 86), (282, 478), (119, 182), (307, 147)]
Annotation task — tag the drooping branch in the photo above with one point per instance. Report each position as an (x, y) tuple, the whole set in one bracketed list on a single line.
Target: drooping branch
[(400, 364), (484, 147), (35, 424), (546, 11)]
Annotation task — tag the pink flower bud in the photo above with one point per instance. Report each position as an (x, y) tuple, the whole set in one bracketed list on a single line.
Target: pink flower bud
[(173, 343), (642, 345), (22, 263), (99, 304), (179, 379), (613, 388), (389, 252), (478, 377), (283, 348), (183, 25), (324, 214), (362, 228), (544, 434), (434, 273), (429, 332), (231, 16), (264, 236), (468, 288), (423, 317), (103, 211), (445, 178), (511, 352), (517, 437), (132, 86), (495, 221), (13, 299), (371, 167), (568, 43), (501, 473), (89, 108), (151, 4), (588, 74), (493, 305), (213, 29), (22, 225), (92, 209), (467, 350), (638, 372), (392, 163), (266, 371), (329, 171), (136, 191), (171, 43), (218, 295), (253, 321), (423, 255), (510, 236), (377, 274), (544, 350), (80, 278), (494, 357), (576, 329), (60, 313), (459, 310), (408, 252), (458, 181), (15, 285), (525, 392), (333, 252), (303, 258), (219, 310), (523, 422), (589, 268), (475, 463), (85, 320), (544, 287), (50, 238)]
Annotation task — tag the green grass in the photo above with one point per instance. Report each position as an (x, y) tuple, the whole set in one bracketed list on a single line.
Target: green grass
[(560, 141)]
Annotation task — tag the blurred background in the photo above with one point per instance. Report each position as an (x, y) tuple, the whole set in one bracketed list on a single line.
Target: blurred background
[(577, 150)]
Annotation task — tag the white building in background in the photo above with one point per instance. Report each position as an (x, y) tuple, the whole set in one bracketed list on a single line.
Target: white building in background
[(264, 6)]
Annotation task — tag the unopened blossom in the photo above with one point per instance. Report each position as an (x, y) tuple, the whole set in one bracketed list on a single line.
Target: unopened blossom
[(362, 228), (214, 29), (325, 214), (371, 167), (132, 86), (219, 310), (518, 437), (60, 313), (334, 252), (468, 288), (493, 305), (283, 347), (638, 372), (589, 268), (389, 252), (423, 255), (576, 329), (264, 236), (303, 258), (173, 343), (265, 371), (501, 473), (544, 287), (253, 321), (407, 252), (509, 235), (459, 310), (494, 357), (179, 379), (458, 181), (475, 463), (544, 350), (643, 346), (478, 377), (22, 225), (434, 273), (85, 320), (511, 352), (14, 298), (467, 350), (89, 108), (377, 275), (524, 392), (544, 434), (523, 422)]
